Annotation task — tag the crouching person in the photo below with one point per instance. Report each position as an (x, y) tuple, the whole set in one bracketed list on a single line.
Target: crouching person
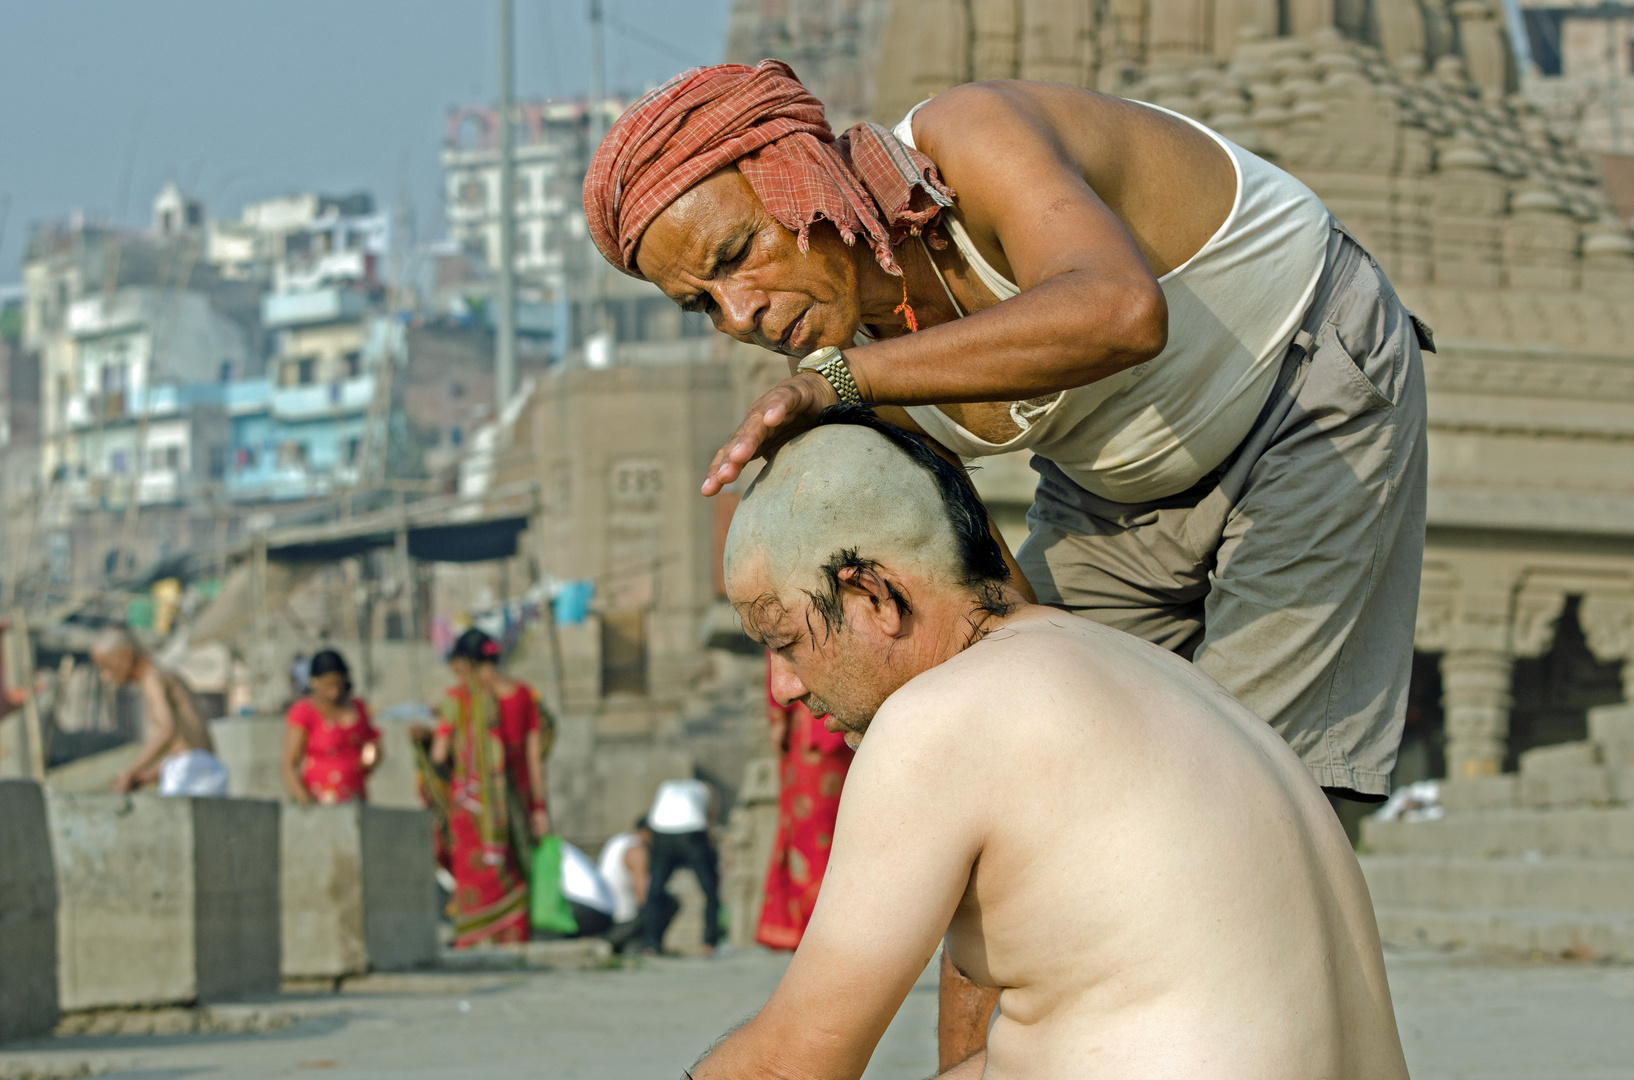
[(1212, 921)]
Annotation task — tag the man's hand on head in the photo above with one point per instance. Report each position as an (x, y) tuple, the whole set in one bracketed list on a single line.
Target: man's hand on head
[(778, 415)]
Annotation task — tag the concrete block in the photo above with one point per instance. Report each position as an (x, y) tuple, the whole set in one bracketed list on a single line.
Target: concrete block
[(1611, 727), (1562, 756), (358, 891), (1480, 793), (28, 914), (252, 748), (164, 901), (1567, 785)]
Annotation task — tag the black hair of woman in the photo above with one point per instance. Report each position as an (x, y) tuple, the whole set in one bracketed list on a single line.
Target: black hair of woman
[(475, 646), (325, 661)]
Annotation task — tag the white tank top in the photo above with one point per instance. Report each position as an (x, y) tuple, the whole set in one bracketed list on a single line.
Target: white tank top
[(681, 806), (616, 873), (1154, 430)]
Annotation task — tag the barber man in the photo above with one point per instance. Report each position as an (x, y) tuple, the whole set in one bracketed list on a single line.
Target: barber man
[(1223, 395)]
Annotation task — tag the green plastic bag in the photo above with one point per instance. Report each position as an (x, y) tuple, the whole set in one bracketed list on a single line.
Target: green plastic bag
[(547, 908)]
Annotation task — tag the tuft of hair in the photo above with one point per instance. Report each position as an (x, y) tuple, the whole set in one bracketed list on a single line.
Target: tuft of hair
[(858, 493), (117, 639)]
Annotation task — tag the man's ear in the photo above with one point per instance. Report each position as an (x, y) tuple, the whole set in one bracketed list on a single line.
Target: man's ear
[(888, 605)]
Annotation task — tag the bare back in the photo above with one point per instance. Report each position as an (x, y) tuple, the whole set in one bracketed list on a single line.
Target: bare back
[(1148, 873), (164, 690)]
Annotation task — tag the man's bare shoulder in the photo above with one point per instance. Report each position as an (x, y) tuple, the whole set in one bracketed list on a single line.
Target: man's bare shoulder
[(1053, 669)]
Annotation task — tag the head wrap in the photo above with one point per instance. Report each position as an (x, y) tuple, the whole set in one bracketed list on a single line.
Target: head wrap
[(763, 120)]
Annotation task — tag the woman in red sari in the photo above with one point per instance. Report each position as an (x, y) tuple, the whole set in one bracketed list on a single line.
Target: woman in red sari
[(813, 770), (329, 745), (494, 800)]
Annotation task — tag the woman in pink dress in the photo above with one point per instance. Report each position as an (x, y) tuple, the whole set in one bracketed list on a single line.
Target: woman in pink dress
[(329, 745), (812, 774)]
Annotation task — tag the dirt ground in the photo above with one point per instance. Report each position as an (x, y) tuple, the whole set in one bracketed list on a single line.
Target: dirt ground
[(1462, 1017)]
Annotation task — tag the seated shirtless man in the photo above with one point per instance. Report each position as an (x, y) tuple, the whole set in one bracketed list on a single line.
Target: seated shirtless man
[(176, 753), (1212, 922)]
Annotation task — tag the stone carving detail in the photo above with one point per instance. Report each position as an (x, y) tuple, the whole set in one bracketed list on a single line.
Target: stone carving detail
[(1532, 630)]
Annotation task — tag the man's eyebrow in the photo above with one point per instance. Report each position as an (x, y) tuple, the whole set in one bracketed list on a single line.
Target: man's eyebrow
[(712, 261)]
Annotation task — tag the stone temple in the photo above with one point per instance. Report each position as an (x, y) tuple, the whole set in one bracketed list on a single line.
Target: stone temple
[(1402, 115)]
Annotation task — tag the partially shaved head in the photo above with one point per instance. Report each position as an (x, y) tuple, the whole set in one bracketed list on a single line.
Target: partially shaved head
[(116, 651), (835, 490), (855, 509)]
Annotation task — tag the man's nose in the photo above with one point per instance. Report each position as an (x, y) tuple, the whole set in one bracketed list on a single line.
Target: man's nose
[(740, 309), (785, 684)]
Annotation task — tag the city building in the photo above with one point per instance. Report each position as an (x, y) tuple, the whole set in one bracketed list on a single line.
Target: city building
[(569, 303), (126, 421), (303, 241), (304, 430), (552, 151)]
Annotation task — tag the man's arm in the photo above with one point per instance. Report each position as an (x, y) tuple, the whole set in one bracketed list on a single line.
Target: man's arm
[(160, 727), (907, 836), (637, 861)]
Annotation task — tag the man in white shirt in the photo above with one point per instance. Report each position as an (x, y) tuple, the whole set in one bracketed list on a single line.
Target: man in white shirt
[(681, 814), (626, 865)]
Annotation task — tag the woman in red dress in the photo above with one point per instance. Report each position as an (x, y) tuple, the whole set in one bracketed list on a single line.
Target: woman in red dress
[(491, 740), (813, 770), (329, 745)]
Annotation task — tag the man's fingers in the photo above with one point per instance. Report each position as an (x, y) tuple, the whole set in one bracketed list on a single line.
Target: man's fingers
[(771, 420)]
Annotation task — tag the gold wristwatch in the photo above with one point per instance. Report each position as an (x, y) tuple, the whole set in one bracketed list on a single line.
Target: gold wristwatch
[(830, 363)]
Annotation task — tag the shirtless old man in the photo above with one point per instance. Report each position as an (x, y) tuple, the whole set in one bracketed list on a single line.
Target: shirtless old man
[(1210, 921), (176, 753)]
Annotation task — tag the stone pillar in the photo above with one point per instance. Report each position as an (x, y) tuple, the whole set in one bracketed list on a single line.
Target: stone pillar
[(28, 915), (1486, 47), (939, 58), (1480, 616), (1476, 701), (1179, 30), (1057, 41), (995, 30)]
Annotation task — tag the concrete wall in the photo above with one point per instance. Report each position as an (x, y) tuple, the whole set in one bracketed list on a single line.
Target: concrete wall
[(253, 747), (28, 914), (164, 901), (358, 890)]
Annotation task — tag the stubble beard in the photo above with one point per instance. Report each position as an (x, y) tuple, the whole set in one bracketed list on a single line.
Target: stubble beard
[(852, 724)]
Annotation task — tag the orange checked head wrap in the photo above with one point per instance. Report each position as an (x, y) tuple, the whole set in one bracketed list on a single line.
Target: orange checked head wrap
[(762, 120)]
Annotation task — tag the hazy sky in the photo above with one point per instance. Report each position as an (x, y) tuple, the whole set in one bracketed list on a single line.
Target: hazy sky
[(239, 100)]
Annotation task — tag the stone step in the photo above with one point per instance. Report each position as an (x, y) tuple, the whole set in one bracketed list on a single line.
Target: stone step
[(1577, 831), (1567, 884), (1604, 936)]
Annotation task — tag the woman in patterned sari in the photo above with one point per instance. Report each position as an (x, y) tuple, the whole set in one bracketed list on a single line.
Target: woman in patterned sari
[(813, 764), (486, 801)]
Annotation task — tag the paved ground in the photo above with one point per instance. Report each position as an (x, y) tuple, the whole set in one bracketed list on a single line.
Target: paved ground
[(1461, 1017)]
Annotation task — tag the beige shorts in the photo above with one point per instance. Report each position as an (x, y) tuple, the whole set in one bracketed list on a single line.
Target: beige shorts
[(1291, 573)]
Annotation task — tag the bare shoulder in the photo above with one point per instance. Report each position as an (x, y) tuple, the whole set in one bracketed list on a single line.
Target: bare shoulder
[(1020, 667)]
